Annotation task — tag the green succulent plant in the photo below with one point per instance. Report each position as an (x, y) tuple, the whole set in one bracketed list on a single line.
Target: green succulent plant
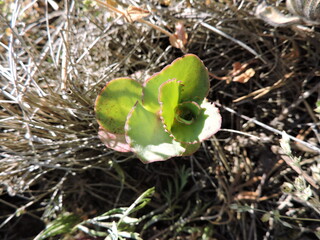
[(168, 115)]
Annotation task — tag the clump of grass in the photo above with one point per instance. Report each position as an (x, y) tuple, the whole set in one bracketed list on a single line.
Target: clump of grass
[(54, 63)]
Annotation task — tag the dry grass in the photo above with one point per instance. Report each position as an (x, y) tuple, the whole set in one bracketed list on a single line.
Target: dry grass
[(53, 64)]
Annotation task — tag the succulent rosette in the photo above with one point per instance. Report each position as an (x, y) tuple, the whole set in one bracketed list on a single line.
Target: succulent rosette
[(166, 116)]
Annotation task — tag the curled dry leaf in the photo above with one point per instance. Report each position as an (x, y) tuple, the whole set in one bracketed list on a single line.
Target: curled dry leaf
[(244, 77), (239, 73), (274, 17), (133, 13), (238, 68), (180, 37)]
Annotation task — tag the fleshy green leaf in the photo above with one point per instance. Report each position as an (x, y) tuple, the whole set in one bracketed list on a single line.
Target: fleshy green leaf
[(115, 141), (115, 102), (147, 137), (169, 98), (187, 112), (190, 148), (192, 74), (207, 123)]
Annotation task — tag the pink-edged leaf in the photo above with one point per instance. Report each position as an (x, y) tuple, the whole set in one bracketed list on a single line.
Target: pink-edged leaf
[(115, 102), (116, 142), (204, 125), (187, 112), (147, 137), (190, 148), (189, 70), (169, 95)]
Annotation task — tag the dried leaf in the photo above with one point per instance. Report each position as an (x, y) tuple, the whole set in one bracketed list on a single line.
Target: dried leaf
[(244, 77), (175, 42), (180, 37), (237, 74), (181, 32), (135, 13), (238, 68), (247, 195), (274, 17)]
